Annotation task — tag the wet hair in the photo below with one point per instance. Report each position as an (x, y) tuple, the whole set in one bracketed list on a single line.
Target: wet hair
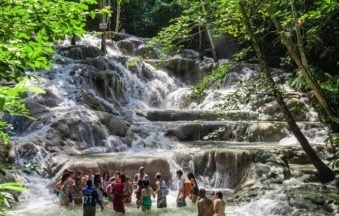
[(64, 177), (97, 179), (105, 175), (123, 178), (158, 175), (77, 179), (141, 183), (202, 192), (117, 173), (145, 183), (89, 183), (180, 173), (190, 175), (219, 194), (65, 171)]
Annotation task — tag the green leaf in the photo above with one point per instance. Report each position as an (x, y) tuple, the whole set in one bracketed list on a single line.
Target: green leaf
[(14, 186)]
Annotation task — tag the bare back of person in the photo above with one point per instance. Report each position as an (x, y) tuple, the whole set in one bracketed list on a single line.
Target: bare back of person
[(219, 207), (205, 207)]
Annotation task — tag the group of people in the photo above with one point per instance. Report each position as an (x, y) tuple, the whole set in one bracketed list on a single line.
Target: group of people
[(88, 190)]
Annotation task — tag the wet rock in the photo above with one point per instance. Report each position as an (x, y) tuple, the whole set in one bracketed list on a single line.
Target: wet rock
[(147, 52), (188, 53), (79, 52), (219, 168), (91, 101), (128, 165), (127, 47), (191, 115), (114, 124), (268, 131), (117, 36), (188, 70)]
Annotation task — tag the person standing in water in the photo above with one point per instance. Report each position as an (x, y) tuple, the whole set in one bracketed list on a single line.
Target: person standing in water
[(118, 191), (63, 189), (161, 191), (180, 183), (219, 205), (205, 205), (145, 199), (77, 191), (139, 176), (195, 188), (128, 190), (90, 199)]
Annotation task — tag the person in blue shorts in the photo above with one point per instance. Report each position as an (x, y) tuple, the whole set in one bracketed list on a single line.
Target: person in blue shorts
[(91, 197)]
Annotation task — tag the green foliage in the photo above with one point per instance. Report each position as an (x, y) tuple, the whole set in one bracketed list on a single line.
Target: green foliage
[(132, 63), (333, 142), (7, 197), (146, 18), (28, 29), (330, 86), (11, 103), (218, 74), (185, 27)]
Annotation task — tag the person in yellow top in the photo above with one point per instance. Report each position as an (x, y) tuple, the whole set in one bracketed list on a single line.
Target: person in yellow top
[(219, 205)]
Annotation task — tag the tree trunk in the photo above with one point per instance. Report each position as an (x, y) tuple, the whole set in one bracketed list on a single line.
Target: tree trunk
[(103, 42), (214, 53), (117, 20), (325, 173), (302, 67)]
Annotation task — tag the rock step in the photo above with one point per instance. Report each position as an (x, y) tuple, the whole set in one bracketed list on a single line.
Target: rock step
[(125, 163), (191, 115), (252, 131)]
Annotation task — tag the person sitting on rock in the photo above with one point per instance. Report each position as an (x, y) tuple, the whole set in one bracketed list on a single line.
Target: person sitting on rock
[(205, 205)]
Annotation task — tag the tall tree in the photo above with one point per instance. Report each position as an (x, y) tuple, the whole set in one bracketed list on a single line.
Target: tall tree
[(118, 13), (296, 48), (208, 30), (326, 174)]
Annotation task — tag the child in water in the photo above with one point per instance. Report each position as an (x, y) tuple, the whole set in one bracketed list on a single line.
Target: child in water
[(145, 199)]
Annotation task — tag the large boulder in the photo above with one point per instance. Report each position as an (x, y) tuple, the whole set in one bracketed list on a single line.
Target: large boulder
[(147, 52), (114, 124), (80, 52)]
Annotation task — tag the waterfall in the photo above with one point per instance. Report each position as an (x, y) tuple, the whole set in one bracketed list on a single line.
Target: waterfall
[(120, 111)]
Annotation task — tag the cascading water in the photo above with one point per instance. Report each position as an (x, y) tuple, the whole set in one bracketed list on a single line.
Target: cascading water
[(99, 105)]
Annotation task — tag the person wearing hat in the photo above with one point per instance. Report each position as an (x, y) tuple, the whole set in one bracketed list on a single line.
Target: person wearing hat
[(161, 191)]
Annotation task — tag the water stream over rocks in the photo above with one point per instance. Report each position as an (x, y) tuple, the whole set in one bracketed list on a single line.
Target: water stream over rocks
[(118, 111)]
